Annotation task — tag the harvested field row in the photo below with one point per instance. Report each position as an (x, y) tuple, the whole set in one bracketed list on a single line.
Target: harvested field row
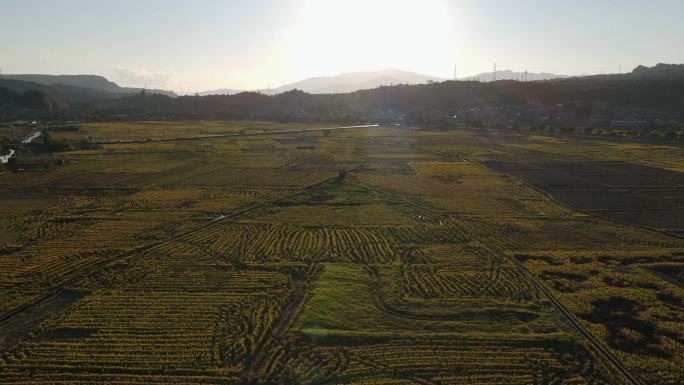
[(479, 361)]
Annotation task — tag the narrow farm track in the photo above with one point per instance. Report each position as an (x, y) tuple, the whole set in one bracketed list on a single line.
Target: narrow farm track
[(84, 272), (62, 289), (607, 355), (445, 251), (597, 345), (559, 306), (287, 318), (231, 135)]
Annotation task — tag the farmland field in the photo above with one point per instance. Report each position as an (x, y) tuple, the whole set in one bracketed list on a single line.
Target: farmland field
[(375, 255)]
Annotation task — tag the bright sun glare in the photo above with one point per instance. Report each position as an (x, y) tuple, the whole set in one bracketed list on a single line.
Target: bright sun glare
[(332, 36)]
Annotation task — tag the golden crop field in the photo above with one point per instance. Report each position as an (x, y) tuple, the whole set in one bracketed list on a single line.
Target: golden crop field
[(377, 255)]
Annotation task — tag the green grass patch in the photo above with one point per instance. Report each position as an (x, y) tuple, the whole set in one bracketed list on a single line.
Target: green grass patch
[(350, 300), (340, 193)]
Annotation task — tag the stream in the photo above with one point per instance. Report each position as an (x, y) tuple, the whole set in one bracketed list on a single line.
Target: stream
[(4, 159), (31, 138)]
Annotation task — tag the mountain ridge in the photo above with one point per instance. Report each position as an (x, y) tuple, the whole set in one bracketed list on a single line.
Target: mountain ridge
[(101, 88), (93, 82), (512, 75), (341, 83)]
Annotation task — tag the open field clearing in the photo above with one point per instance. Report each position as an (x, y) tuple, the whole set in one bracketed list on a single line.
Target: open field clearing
[(614, 190), (378, 255), (622, 298), (160, 130), (480, 145)]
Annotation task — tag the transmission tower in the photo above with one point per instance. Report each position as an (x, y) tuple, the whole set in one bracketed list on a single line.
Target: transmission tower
[(494, 73)]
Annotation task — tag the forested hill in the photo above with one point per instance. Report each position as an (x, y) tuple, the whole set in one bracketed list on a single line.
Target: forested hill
[(31, 99), (660, 87), (72, 89)]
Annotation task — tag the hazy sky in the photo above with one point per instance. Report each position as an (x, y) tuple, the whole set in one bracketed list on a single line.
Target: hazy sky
[(194, 45)]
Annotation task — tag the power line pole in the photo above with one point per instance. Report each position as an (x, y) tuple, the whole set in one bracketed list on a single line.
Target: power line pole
[(455, 72), (494, 73)]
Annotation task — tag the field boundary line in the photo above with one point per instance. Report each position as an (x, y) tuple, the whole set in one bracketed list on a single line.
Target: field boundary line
[(231, 135), (559, 306), (556, 303), (98, 265)]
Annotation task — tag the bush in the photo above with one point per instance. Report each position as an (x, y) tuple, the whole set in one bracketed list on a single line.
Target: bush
[(671, 135), (655, 135), (342, 175), (50, 144)]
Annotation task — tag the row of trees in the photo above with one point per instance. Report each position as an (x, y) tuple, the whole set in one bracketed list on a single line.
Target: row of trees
[(31, 99), (650, 134), (663, 94), (646, 88)]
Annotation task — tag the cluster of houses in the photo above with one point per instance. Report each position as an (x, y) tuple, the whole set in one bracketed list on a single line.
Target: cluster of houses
[(577, 114)]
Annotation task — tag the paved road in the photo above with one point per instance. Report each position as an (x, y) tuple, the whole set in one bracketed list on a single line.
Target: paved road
[(231, 135)]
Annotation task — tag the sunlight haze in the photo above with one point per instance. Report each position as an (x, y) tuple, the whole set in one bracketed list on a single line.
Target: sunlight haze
[(194, 46), (328, 192)]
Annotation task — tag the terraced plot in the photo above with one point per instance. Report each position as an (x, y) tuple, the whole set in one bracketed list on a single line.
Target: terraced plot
[(358, 256), (613, 190)]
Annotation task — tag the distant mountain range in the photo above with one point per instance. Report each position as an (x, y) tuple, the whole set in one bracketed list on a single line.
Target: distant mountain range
[(355, 81), (76, 89), (72, 88), (221, 91), (511, 75), (344, 83), (88, 88), (84, 81), (660, 87)]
